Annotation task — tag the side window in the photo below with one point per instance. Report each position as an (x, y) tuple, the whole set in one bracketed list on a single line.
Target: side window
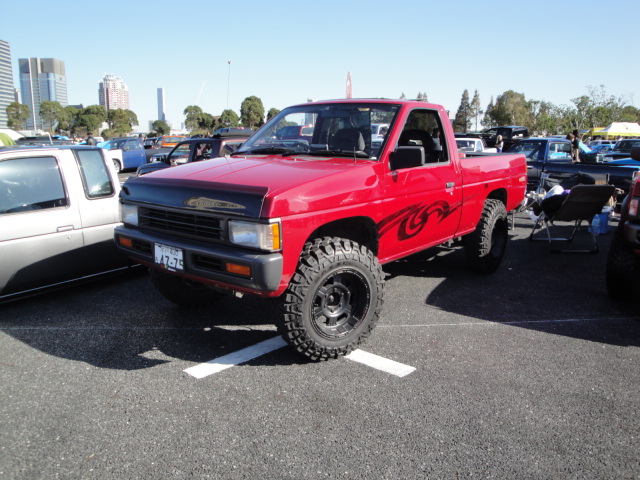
[(33, 183), (95, 176), (423, 129), (133, 145)]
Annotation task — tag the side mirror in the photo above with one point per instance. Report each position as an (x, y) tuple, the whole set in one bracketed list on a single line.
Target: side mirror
[(406, 157)]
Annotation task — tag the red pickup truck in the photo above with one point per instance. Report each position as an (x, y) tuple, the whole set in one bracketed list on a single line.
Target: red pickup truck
[(309, 222)]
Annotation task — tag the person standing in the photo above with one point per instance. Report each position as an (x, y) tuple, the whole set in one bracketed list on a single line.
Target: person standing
[(499, 144), (575, 146), (90, 140)]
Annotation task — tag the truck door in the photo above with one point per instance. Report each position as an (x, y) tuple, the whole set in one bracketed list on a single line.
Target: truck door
[(422, 204)]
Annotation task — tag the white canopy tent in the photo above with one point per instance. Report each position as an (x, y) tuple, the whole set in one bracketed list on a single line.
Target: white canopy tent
[(619, 129)]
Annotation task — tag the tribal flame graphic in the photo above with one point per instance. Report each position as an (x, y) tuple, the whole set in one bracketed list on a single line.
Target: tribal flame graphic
[(411, 220)]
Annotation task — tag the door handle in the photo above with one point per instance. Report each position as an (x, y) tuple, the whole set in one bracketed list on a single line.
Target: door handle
[(66, 228), (450, 185)]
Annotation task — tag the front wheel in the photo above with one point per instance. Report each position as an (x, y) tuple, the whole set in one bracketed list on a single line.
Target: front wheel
[(334, 299), (485, 246), (117, 166)]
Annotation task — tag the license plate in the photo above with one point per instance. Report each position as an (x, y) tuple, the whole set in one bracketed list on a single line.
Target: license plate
[(169, 257)]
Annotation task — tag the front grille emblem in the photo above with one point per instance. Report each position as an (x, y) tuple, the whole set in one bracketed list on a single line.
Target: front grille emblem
[(204, 203)]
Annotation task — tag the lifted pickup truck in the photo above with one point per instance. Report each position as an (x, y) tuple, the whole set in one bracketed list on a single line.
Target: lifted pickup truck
[(309, 223)]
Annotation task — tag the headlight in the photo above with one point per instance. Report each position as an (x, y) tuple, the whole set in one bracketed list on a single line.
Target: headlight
[(265, 236), (129, 214)]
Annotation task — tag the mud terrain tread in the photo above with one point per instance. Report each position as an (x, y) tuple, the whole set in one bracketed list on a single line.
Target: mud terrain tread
[(485, 246)]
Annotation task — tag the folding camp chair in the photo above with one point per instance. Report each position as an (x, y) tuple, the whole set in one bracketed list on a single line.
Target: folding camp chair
[(581, 204)]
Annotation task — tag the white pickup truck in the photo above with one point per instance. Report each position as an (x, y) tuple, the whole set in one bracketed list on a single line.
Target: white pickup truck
[(473, 145), (58, 209)]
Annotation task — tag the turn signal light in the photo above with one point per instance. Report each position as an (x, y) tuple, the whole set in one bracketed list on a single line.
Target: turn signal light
[(125, 241), (238, 269)]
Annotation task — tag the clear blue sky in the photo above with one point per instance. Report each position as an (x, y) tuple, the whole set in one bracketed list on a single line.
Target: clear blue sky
[(285, 52)]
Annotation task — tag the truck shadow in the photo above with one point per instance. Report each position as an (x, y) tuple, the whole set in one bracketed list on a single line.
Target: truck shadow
[(88, 324), (558, 293)]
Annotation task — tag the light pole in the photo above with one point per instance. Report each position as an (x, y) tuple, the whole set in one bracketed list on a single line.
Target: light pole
[(228, 82)]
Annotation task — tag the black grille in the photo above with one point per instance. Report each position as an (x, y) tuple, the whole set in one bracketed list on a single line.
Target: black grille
[(141, 246), (182, 224), (208, 263)]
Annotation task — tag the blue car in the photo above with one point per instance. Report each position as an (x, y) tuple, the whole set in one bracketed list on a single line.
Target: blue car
[(126, 153)]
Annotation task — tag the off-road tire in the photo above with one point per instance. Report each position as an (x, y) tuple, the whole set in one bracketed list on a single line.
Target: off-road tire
[(485, 246), (623, 269), (183, 292), (334, 299)]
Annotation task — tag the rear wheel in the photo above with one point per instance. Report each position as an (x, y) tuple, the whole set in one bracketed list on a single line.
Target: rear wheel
[(117, 166), (334, 299), (623, 270), (183, 292), (485, 246)]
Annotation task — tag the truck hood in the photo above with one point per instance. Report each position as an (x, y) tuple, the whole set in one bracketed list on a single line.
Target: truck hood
[(256, 185)]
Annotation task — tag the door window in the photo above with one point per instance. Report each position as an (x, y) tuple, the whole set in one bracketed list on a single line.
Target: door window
[(33, 183), (95, 175)]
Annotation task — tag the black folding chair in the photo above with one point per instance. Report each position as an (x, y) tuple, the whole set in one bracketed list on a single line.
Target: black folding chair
[(581, 204)]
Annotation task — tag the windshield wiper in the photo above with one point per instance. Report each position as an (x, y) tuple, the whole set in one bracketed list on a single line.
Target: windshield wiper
[(267, 150), (341, 153)]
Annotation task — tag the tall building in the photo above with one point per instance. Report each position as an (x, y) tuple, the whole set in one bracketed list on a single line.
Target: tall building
[(41, 79), (7, 91), (161, 105), (113, 93)]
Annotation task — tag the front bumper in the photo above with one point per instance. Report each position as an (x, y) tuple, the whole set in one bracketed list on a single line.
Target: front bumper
[(207, 262)]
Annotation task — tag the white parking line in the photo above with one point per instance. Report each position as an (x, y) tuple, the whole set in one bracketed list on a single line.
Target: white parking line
[(231, 360), (380, 363), (219, 364)]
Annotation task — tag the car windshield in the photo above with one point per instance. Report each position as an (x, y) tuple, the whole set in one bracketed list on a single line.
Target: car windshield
[(466, 145), (529, 149), (627, 145), (335, 129), (173, 139)]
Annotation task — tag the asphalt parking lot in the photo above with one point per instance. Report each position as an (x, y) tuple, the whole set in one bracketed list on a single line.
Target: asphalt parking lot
[(531, 372)]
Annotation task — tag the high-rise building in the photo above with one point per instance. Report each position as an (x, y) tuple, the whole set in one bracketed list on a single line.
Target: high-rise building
[(7, 90), (161, 115), (41, 79), (113, 93)]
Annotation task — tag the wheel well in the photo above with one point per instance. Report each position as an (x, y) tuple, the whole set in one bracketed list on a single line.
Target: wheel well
[(359, 229), (500, 194)]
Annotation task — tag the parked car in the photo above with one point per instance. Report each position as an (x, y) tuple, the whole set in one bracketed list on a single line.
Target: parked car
[(171, 140), (153, 142), (379, 130), (126, 153), (510, 135), (473, 145), (623, 261), (239, 130), (194, 150), (58, 208), (553, 157), (596, 143), (601, 148), (622, 149)]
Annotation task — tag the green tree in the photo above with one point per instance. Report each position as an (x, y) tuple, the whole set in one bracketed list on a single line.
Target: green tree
[(272, 113), (252, 112), (510, 109), (17, 114), (121, 121), (161, 127), (462, 122), (487, 120), (422, 97), (476, 108), (193, 115), (92, 117), (228, 118), (50, 111), (68, 119)]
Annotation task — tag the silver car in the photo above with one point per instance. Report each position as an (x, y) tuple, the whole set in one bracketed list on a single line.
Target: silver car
[(58, 209)]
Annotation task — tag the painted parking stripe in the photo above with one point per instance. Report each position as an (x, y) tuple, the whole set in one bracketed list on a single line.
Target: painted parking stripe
[(231, 360), (380, 363), (241, 356)]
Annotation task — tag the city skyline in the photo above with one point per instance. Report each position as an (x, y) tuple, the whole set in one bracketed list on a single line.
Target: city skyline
[(434, 48)]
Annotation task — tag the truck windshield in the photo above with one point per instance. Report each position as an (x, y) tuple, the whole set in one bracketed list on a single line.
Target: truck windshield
[(335, 129)]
